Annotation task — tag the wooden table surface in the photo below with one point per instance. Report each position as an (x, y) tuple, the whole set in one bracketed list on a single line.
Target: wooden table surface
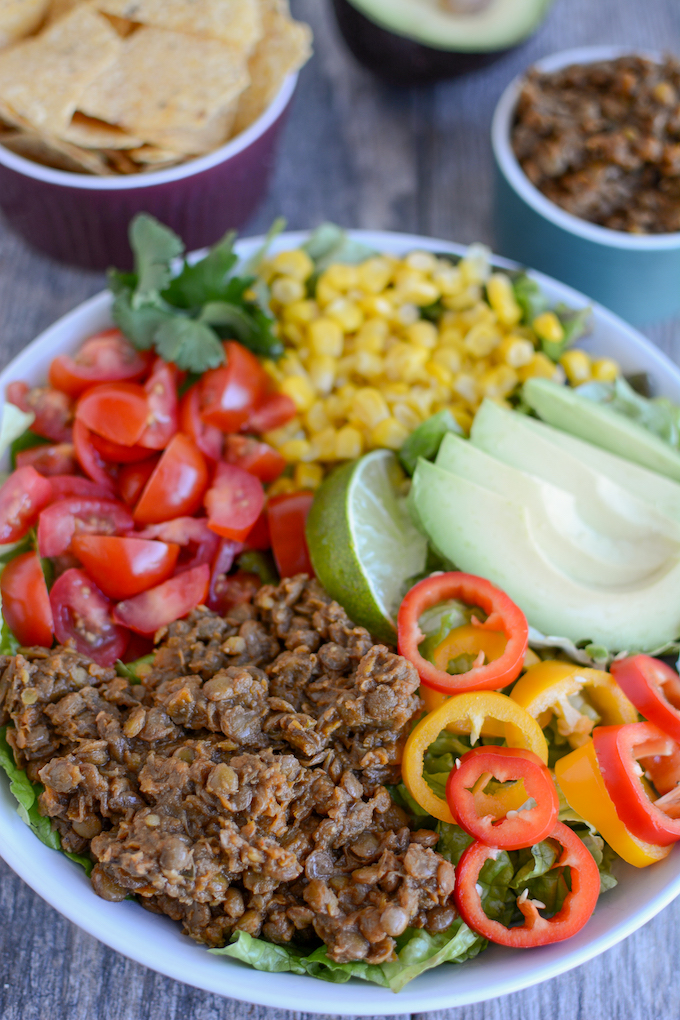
[(363, 155)]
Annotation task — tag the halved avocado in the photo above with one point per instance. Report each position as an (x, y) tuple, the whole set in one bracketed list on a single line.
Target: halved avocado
[(411, 42)]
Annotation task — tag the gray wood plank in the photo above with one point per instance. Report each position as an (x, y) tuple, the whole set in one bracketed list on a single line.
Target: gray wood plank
[(365, 155)]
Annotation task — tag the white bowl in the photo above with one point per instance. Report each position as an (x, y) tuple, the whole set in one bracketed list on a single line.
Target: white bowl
[(157, 942)]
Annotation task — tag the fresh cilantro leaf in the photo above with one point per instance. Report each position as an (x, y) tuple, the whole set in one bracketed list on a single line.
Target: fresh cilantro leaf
[(139, 324), (135, 671), (245, 325), (154, 246), (191, 345), (203, 280)]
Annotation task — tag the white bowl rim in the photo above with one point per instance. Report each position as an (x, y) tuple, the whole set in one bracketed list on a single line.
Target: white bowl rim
[(514, 174), (190, 168), (123, 926)]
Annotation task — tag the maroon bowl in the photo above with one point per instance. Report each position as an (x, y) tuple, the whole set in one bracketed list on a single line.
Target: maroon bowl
[(83, 220)]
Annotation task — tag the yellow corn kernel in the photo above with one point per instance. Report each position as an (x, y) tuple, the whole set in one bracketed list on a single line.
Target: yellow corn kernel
[(421, 400), (548, 327), (341, 276), (325, 293), (480, 312), (293, 333), (498, 382), (290, 364), (272, 369), (377, 306), (450, 336), (448, 279), (334, 406), (449, 358), (374, 275), (462, 416), (541, 367), (300, 391), (369, 407), (475, 265), (372, 335), (286, 290), (301, 312), (481, 340), (406, 416), (502, 299), (291, 430), (295, 263), (605, 370), (346, 313), (406, 314), (308, 476), (296, 449), (324, 444), (465, 385), (514, 351), (405, 362), (394, 391), (368, 365), (322, 371), (423, 333), (423, 261), (316, 418), (420, 292), (467, 297), (349, 443), (442, 374), (325, 337), (577, 365), (389, 433), (282, 487)]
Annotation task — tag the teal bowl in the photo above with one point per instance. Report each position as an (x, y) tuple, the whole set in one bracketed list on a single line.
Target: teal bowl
[(637, 276)]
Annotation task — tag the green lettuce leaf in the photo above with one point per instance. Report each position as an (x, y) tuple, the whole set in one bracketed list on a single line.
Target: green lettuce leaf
[(418, 951), (425, 440), (329, 244), (529, 297), (656, 414)]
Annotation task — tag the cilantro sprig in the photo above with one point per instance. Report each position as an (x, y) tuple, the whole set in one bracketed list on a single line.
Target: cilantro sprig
[(184, 316)]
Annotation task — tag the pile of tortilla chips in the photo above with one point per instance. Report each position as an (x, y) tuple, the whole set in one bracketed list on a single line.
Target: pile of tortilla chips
[(130, 86)]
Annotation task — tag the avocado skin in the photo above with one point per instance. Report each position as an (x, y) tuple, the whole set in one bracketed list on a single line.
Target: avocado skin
[(401, 61)]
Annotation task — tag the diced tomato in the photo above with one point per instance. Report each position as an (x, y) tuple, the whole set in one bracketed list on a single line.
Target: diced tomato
[(275, 410), (90, 460), (257, 458), (258, 536), (123, 567), (117, 411), (133, 477), (287, 515), (105, 357), (177, 485), (25, 601), (53, 410), (138, 646), (22, 497), (49, 459), (230, 393), (208, 439), (234, 502), (222, 564), (83, 614), (64, 486), (76, 516), (227, 591), (116, 453), (159, 606), (199, 544), (161, 395)]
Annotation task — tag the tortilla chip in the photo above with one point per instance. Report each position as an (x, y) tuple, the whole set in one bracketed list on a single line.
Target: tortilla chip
[(285, 47), (42, 78), (170, 89), (58, 8), (237, 22), (152, 154), (19, 17), (95, 134), (55, 153)]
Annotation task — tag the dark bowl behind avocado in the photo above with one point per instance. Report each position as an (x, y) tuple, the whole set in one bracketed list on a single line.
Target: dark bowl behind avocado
[(400, 59)]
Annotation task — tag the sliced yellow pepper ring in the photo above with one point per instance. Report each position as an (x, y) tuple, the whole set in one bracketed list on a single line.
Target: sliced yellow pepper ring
[(581, 782), (468, 713), (545, 689), (470, 640)]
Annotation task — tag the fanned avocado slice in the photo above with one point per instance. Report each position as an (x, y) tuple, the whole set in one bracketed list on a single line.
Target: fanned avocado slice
[(413, 41)]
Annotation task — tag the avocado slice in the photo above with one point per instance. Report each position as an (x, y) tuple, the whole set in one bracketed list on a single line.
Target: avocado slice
[(408, 42), (563, 408), (501, 538)]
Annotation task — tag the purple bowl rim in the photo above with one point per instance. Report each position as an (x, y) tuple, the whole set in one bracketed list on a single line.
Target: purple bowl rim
[(130, 182)]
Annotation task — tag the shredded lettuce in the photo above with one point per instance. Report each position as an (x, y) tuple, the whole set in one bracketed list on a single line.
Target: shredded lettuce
[(329, 244), (656, 414)]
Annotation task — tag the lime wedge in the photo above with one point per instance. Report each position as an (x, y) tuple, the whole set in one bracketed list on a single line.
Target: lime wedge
[(362, 542)]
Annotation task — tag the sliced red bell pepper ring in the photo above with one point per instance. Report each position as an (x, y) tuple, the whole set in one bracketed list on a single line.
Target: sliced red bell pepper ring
[(578, 906), (618, 749), (654, 689), (516, 829), (502, 615)]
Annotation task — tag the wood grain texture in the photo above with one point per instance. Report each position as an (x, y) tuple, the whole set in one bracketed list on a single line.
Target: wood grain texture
[(364, 155)]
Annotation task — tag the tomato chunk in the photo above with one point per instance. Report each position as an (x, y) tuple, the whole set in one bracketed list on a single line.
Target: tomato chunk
[(275, 410), (176, 487), (90, 460), (117, 411), (25, 601), (64, 486), (123, 567), (161, 395), (133, 477), (22, 497), (159, 606), (83, 614), (76, 516), (287, 516), (105, 357), (49, 459), (257, 458), (208, 439), (199, 544), (234, 502), (258, 536), (229, 590), (116, 453), (53, 410), (229, 394)]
